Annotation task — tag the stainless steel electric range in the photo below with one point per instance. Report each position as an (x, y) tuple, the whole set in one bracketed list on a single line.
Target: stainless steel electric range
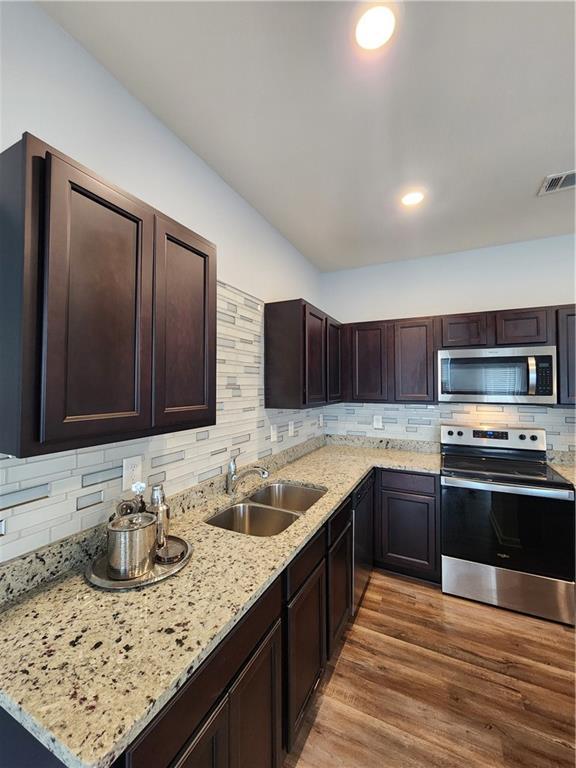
[(507, 522)]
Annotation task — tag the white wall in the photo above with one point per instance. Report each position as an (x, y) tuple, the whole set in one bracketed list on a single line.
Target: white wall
[(53, 88), (526, 274)]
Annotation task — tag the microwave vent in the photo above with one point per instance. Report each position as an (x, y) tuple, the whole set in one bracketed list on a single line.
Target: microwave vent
[(556, 182)]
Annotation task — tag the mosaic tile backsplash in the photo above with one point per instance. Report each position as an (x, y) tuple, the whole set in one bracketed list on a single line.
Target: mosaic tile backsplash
[(45, 499), (422, 422)]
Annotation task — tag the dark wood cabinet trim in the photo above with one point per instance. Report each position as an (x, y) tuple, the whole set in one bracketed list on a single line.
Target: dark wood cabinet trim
[(334, 357)]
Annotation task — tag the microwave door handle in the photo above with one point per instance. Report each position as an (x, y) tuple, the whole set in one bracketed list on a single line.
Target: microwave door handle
[(531, 375)]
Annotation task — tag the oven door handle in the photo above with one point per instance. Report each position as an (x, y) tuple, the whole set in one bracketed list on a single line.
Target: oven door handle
[(522, 490), (531, 375)]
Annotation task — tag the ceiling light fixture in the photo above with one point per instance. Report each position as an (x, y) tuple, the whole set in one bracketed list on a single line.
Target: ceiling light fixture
[(375, 27), (412, 198)]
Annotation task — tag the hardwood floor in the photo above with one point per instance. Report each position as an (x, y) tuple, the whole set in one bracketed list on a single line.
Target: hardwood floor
[(424, 679)]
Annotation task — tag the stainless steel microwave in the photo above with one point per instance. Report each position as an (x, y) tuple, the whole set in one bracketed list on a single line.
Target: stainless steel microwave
[(500, 375)]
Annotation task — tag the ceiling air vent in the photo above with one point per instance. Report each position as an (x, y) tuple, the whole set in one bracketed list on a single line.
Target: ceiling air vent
[(556, 182)]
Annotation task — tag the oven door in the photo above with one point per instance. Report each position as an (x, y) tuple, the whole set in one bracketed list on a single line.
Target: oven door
[(512, 527), (500, 375)]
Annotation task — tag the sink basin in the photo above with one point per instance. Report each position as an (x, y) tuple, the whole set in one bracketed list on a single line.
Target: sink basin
[(253, 519), (295, 498)]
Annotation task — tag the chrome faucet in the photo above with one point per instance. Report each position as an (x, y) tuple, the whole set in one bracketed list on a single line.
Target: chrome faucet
[(233, 476)]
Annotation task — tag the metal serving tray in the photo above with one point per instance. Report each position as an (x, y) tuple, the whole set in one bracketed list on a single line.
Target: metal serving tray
[(97, 572)]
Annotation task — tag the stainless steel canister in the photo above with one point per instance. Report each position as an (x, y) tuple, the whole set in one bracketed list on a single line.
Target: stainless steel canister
[(131, 545)]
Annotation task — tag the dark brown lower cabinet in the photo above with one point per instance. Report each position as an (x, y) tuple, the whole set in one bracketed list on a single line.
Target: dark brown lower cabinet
[(406, 534), (305, 648), (339, 587), (210, 747), (407, 524), (256, 708)]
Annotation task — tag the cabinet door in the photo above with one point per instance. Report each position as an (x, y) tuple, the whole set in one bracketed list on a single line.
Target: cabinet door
[(184, 327), (567, 354), (339, 587), (256, 708), (414, 360), (363, 541), (469, 330), (96, 377), (407, 533), (315, 358), (334, 366), (209, 749), (305, 648), (369, 361), (524, 326)]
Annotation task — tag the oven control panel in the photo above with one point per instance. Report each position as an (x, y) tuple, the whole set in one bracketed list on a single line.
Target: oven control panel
[(494, 437)]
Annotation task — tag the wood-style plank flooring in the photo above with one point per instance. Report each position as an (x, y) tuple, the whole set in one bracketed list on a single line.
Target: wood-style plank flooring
[(424, 679)]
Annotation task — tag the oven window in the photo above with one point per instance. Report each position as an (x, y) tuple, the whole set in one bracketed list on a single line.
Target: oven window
[(485, 376), (522, 533)]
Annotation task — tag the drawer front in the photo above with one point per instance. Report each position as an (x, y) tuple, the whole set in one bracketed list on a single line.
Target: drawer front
[(159, 744), (304, 563), (339, 521), (411, 482)]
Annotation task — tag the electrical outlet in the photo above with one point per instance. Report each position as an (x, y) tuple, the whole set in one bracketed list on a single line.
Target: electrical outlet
[(377, 422), (131, 472), (273, 433), (290, 429)]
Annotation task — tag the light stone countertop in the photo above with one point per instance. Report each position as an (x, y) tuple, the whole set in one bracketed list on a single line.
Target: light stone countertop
[(86, 670)]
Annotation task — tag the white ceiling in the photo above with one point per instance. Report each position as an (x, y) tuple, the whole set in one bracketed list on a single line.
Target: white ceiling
[(474, 101)]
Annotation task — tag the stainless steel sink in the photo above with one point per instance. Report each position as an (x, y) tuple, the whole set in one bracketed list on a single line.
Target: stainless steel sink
[(295, 498), (253, 519)]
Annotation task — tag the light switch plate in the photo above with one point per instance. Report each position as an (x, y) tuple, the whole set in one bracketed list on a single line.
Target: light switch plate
[(273, 433), (2, 527), (320, 420), (131, 472), (377, 422), (290, 429)]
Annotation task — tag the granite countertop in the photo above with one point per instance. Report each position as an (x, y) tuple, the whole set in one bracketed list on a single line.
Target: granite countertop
[(86, 670), (568, 471)]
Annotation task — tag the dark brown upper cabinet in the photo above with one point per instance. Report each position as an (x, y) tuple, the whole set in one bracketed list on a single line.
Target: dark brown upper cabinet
[(414, 360), (107, 331), (184, 330), (517, 327), (470, 330), (302, 356), (567, 355), (367, 361), (97, 308), (315, 378), (334, 365)]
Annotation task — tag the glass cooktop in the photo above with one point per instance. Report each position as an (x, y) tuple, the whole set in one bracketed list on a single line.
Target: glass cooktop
[(503, 470)]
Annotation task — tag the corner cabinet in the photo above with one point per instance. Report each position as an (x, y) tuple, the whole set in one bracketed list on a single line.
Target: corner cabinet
[(107, 310), (302, 356), (407, 524), (567, 355)]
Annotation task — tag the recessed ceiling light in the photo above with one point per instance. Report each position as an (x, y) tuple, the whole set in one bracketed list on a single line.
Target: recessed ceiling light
[(375, 27), (412, 198)]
